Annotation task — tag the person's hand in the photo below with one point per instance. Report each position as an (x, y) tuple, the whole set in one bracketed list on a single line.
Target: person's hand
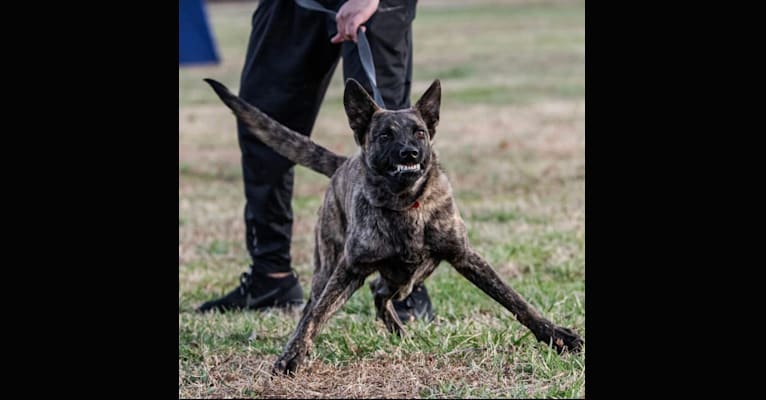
[(350, 16)]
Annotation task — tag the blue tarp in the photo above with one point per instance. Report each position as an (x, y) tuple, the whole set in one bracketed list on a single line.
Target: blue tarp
[(195, 39)]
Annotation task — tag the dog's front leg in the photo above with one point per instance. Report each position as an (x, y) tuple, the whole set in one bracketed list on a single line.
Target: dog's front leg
[(341, 285), (472, 266)]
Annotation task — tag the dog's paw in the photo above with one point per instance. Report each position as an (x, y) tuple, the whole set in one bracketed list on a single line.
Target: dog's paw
[(286, 365), (395, 327), (565, 339)]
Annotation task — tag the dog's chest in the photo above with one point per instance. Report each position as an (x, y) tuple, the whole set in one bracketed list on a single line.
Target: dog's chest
[(406, 235), (392, 236)]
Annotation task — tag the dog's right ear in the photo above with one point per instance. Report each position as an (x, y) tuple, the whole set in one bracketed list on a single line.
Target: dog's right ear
[(359, 109)]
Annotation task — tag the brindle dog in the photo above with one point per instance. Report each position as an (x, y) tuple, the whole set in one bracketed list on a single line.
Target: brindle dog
[(389, 209)]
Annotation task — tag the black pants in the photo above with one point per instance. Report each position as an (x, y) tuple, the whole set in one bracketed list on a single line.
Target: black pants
[(288, 67)]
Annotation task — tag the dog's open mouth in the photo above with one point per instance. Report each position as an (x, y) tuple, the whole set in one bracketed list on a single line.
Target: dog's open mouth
[(404, 168)]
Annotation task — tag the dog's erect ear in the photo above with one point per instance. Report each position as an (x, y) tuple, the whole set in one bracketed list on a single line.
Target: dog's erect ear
[(428, 106), (359, 109)]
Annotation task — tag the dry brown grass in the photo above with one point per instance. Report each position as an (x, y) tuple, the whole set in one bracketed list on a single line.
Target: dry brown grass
[(384, 376)]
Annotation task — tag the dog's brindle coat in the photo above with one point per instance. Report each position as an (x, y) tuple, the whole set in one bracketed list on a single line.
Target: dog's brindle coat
[(389, 209)]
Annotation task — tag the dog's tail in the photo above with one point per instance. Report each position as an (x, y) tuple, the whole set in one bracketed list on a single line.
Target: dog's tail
[(288, 143)]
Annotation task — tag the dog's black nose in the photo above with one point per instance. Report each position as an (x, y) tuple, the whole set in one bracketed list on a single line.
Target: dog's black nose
[(409, 152)]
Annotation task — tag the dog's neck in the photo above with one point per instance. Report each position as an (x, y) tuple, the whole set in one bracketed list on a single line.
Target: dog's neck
[(380, 192)]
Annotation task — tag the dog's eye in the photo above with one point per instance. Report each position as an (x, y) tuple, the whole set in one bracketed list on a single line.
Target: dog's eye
[(384, 137), (421, 134)]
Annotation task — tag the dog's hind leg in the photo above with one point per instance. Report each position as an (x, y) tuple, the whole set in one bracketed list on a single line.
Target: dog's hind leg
[(472, 266), (385, 308), (341, 285)]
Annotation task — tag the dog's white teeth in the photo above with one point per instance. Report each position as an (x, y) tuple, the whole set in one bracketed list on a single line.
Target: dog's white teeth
[(414, 167)]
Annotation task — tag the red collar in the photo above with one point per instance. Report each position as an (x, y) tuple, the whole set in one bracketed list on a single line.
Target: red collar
[(416, 205)]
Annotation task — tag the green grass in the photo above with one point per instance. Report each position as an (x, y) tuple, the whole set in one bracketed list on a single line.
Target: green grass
[(511, 139)]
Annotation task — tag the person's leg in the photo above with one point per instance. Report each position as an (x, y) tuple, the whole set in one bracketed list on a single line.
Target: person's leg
[(288, 66), (389, 32)]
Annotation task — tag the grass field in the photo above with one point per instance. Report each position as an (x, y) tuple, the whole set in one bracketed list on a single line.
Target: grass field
[(512, 140)]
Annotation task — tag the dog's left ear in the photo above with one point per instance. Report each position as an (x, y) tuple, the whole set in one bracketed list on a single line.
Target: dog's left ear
[(428, 106)]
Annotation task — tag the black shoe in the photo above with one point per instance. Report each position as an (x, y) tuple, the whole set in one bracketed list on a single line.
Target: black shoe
[(258, 291), (416, 306)]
